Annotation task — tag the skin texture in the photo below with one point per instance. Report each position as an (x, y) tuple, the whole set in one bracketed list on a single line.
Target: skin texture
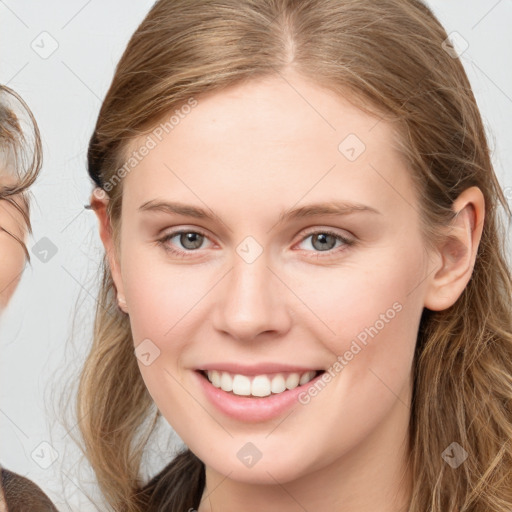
[(13, 256), (248, 153)]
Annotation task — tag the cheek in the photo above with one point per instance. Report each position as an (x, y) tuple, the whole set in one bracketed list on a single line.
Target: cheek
[(369, 316), (377, 292), (160, 296), (13, 263)]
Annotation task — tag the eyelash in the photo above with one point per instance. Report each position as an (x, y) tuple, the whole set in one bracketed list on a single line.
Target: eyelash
[(318, 254)]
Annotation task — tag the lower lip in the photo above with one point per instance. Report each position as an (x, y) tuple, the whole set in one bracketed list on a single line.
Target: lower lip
[(254, 409)]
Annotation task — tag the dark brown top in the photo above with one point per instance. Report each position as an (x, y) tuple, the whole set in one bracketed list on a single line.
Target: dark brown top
[(22, 495)]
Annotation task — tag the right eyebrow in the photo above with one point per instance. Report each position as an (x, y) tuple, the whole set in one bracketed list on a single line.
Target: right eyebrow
[(176, 208)]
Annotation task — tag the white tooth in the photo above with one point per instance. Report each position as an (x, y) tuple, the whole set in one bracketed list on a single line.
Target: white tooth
[(214, 377), (306, 377), (278, 385), (260, 386), (292, 381), (226, 382), (241, 385)]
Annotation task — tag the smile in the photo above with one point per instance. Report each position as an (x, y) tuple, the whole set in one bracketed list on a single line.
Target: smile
[(259, 385)]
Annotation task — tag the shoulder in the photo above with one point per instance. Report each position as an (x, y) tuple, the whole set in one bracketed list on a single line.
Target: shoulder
[(21, 494)]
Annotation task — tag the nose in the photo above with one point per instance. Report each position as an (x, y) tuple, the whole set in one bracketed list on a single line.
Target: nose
[(251, 301)]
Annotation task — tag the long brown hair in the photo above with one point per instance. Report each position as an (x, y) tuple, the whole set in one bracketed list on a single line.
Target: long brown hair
[(388, 55)]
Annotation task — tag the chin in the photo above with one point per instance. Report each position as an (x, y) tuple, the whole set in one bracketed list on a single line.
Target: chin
[(263, 472)]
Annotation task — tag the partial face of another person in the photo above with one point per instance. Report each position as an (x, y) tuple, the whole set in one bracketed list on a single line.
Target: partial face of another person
[(263, 238), (12, 253)]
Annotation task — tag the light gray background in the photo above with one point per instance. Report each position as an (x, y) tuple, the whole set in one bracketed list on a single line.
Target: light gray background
[(40, 350)]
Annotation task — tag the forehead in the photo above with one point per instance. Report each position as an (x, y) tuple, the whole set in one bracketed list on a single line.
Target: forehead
[(265, 135)]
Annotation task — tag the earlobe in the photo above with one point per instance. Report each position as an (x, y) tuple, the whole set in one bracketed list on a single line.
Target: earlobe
[(121, 302), (99, 203), (457, 252)]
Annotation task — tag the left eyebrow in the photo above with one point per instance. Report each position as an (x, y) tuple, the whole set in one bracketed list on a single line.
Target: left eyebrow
[(329, 208)]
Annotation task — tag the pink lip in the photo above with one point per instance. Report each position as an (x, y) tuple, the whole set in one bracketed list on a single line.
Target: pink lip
[(255, 409), (255, 369)]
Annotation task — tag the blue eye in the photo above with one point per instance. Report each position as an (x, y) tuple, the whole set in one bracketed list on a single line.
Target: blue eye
[(322, 241), (190, 240)]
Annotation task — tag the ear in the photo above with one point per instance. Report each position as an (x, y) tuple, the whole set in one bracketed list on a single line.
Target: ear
[(99, 203), (457, 253)]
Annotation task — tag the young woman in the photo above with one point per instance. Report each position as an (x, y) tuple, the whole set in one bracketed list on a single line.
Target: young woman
[(305, 271), (20, 163)]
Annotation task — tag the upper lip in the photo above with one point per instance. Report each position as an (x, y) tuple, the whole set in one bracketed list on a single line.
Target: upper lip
[(256, 369)]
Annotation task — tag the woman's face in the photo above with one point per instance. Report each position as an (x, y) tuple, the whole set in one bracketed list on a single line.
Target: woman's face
[(303, 254), (12, 253)]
